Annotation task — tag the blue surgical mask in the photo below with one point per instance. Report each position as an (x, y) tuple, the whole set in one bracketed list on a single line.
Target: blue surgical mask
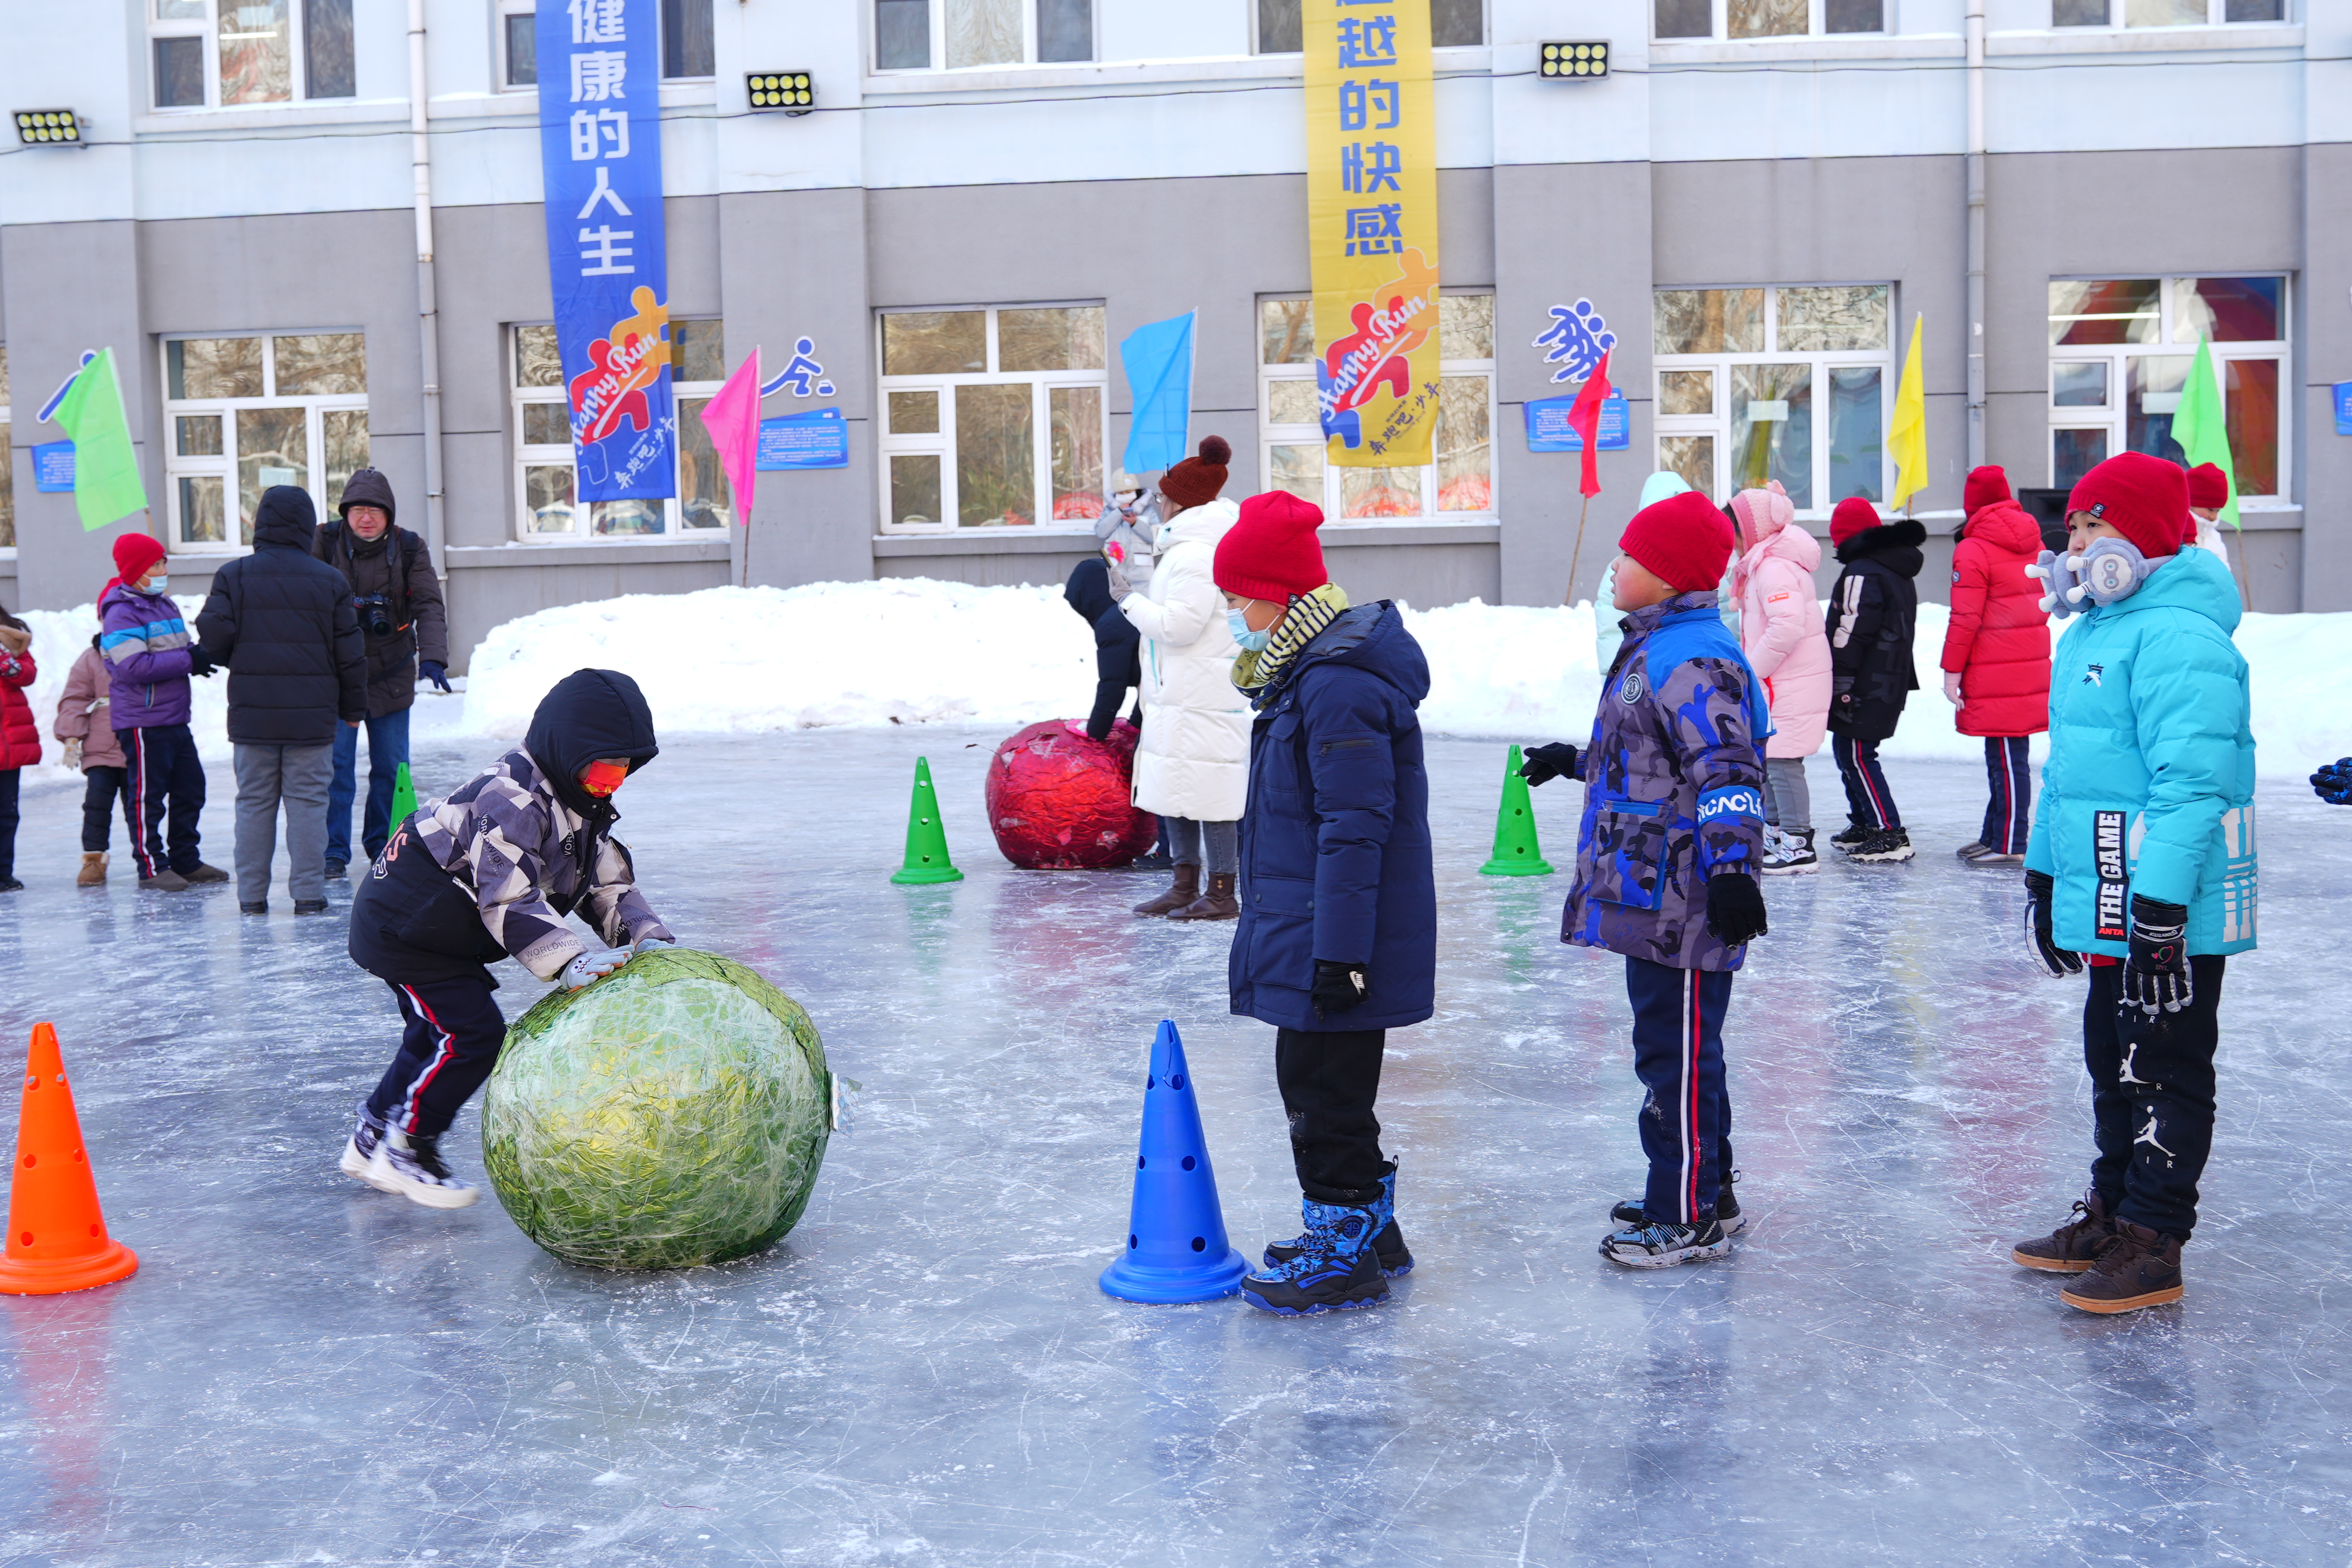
[(1253, 642)]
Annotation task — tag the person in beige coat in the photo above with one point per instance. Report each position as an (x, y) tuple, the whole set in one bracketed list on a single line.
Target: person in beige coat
[(1192, 767), (84, 724)]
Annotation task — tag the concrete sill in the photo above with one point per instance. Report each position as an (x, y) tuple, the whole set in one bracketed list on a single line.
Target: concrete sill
[(607, 552), (1282, 69), (2236, 36), (1807, 48)]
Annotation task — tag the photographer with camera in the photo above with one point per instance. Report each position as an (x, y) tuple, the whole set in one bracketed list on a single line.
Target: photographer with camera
[(281, 625), (398, 600)]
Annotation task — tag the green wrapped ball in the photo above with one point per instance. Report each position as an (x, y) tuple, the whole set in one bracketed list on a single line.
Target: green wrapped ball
[(673, 1114)]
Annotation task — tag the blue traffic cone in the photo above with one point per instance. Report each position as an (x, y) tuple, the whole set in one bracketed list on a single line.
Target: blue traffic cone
[(1176, 1246)]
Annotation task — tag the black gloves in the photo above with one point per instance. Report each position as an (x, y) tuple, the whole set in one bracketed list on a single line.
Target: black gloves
[(201, 663), (2156, 974), (1734, 908), (437, 673), (2332, 782), (1338, 987), (2050, 958), (1556, 760)]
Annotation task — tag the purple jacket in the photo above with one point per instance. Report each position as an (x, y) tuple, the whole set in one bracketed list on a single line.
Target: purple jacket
[(147, 649)]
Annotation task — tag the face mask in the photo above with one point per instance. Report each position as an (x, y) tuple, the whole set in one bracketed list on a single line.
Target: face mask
[(2109, 571), (601, 779), (1253, 642)]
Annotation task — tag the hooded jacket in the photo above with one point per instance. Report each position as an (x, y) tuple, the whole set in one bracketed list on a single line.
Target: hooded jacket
[(2149, 787), (396, 564), (1674, 788), (492, 870), (1116, 664), (148, 653), (86, 712), (1335, 849), (282, 625), (1193, 758), (20, 737), (1998, 640), (1779, 634), (1873, 614)]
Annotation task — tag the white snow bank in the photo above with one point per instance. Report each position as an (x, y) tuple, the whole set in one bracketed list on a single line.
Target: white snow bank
[(913, 650)]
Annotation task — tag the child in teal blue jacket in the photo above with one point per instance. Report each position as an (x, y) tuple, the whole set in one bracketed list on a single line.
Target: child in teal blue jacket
[(2142, 859)]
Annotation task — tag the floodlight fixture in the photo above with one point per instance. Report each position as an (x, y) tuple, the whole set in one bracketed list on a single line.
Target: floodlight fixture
[(1575, 61), (48, 127), (793, 92)]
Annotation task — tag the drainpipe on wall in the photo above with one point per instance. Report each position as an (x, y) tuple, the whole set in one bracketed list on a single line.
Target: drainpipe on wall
[(428, 314), (1976, 34)]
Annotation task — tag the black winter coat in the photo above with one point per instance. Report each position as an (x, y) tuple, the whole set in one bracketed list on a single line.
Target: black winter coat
[(281, 623), (396, 564), (1873, 613), (1119, 647)]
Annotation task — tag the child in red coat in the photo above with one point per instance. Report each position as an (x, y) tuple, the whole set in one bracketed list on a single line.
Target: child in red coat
[(20, 738), (1996, 659)]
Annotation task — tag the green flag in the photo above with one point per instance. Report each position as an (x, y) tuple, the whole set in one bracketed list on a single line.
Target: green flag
[(2201, 426), (106, 470)]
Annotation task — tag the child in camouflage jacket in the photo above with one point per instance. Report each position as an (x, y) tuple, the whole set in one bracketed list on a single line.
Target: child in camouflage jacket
[(1666, 862)]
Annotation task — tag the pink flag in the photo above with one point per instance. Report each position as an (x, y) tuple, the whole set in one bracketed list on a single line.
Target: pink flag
[(732, 417)]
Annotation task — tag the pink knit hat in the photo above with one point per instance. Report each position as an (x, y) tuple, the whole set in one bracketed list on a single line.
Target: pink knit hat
[(1762, 513)]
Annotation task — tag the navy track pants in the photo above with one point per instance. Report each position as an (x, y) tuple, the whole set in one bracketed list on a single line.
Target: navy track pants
[(1686, 1117)]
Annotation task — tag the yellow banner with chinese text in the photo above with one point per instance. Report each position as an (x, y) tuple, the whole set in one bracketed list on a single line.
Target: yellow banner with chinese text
[(1371, 214)]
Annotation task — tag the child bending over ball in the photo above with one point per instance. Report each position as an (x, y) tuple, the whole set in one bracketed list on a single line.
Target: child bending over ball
[(489, 873)]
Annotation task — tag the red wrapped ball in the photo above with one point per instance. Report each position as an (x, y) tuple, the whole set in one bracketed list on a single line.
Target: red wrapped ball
[(1060, 801)]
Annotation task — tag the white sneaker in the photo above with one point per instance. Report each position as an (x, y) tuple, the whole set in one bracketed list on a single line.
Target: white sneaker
[(363, 1153), (412, 1168), (1791, 854)]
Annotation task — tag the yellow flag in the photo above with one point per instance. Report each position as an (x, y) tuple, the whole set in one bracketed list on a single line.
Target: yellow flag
[(1372, 205), (1906, 438)]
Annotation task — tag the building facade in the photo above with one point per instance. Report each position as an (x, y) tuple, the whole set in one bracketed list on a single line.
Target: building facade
[(1760, 197)]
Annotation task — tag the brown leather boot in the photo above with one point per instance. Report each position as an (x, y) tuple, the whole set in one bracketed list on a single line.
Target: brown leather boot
[(2073, 1247), (1217, 904), (1186, 889), (93, 870)]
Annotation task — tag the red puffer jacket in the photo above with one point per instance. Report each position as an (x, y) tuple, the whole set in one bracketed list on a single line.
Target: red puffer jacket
[(1999, 642), (20, 738)]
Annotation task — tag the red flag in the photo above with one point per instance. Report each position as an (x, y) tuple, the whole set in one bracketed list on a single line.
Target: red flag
[(1584, 416)]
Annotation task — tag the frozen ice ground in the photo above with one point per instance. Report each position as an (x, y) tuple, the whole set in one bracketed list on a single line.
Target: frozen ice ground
[(924, 1372)]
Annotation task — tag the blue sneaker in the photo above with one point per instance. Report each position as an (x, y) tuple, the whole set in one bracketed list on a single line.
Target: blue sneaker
[(1662, 1244), (1388, 1243), (1338, 1272)]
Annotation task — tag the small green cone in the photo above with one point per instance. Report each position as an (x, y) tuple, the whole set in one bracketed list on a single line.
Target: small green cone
[(927, 838), (1516, 853), (404, 798)]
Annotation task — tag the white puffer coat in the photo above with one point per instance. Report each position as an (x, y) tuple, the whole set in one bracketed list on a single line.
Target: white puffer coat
[(1193, 760)]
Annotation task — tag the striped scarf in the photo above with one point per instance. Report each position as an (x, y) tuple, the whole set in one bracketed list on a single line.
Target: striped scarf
[(1300, 625)]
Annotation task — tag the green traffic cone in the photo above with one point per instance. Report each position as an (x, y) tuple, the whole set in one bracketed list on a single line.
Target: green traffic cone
[(404, 798), (926, 839), (1516, 853)]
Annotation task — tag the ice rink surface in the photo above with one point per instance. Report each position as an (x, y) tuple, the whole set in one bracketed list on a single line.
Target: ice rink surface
[(305, 1371)]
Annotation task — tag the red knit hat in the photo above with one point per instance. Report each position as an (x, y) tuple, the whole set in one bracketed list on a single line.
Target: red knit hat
[(1984, 487), (2145, 498), (135, 555), (2208, 486), (1684, 540), (1272, 552), (1195, 482), (1854, 515)]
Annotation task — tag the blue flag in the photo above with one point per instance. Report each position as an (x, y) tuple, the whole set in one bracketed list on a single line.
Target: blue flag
[(1157, 359), (600, 151)]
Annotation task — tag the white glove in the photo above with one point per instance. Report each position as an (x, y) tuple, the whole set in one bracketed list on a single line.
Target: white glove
[(647, 944), (1952, 689), (73, 754), (592, 965)]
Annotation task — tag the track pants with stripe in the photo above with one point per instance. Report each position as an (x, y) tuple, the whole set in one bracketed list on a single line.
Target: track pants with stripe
[(1685, 1111), (160, 767), (1867, 799), (450, 1043), (2009, 780)]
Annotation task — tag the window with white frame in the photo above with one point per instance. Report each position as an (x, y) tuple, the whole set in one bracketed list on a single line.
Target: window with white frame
[(7, 495), (221, 54), (688, 46), (1456, 485), (2120, 353), (518, 43), (1783, 382), (989, 414), (1281, 24), (242, 414), (1765, 19), (546, 508), (919, 35), (2163, 13)]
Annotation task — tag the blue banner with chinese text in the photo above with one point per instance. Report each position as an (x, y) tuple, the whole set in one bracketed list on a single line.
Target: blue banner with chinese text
[(599, 147)]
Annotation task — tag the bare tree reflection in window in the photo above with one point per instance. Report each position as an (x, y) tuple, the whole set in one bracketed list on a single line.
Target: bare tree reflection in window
[(915, 488), (1692, 456), (344, 432), (1281, 27), (698, 351), (204, 518), (257, 52), (935, 342), (1298, 469), (1708, 320), (276, 439), (1686, 392), (1466, 326), (327, 63), (1466, 472), (1833, 320), (1287, 331), (1076, 414), (703, 501), (983, 32), (1772, 428), (1765, 19), (996, 482), (1069, 338), (538, 360), (320, 364), (1379, 492), (1291, 402), (213, 367)]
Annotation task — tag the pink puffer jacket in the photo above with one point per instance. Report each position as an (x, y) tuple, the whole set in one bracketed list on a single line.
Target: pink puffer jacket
[(1781, 619)]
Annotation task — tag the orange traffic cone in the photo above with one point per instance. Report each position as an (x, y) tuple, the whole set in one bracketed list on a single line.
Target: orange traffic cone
[(57, 1237)]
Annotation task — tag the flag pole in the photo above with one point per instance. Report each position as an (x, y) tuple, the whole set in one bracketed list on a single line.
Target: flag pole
[(1578, 554)]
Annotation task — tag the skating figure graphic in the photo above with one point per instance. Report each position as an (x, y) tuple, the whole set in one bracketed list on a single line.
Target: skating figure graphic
[(2148, 1136)]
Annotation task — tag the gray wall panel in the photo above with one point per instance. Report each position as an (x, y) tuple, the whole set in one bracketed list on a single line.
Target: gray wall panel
[(480, 597), (2324, 355)]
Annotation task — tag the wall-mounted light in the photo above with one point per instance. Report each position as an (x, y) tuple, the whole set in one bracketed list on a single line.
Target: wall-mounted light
[(793, 92), (48, 126), (1579, 62)]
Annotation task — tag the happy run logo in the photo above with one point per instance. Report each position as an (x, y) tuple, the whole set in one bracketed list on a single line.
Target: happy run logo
[(1374, 355), (625, 363)]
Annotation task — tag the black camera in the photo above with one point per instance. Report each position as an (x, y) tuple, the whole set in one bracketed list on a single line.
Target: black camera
[(376, 613)]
